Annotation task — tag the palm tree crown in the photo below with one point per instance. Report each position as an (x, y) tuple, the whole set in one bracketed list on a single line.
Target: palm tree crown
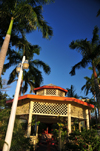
[(90, 51), (32, 76), (25, 16)]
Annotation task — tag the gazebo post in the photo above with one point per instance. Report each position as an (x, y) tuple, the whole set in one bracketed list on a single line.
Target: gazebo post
[(35, 124), (80, 126), (36, 127), (30, 119), (69, 118), (37, 131), (87, 119)]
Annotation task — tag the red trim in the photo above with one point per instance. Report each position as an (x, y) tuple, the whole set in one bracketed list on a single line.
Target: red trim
[(50, 87), (20, 98), (52, 98)]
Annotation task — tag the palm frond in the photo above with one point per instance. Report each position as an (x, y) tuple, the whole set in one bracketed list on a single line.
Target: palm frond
[(83, 63), (39, 63), (12, 76), (98, 13), (95, 35), (32, 86), (25, 87)]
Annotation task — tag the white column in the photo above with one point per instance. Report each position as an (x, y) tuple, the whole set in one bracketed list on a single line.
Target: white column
[(30, 119), (36, 126), (63, 94), (56, 92), (80, 126), (44, 91), (37, 131), (35, 123), (69, 118), (87, 118)]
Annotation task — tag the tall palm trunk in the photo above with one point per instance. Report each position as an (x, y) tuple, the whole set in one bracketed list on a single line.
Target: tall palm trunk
[(5, 45)]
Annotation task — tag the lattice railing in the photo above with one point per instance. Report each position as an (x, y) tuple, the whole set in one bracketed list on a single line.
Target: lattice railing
[(53, 109)]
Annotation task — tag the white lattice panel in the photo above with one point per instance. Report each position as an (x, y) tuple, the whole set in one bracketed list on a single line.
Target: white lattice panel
[(50, 92), (50, 109)]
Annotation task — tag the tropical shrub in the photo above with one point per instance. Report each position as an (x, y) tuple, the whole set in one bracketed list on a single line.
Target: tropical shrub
[(19, 140), (87, 140)]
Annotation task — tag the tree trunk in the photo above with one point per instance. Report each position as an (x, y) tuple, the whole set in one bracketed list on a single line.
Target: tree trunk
[(3, 52), (5, 45)]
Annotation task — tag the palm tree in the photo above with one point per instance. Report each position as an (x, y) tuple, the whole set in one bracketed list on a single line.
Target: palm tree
[(32, 77), (71, 92), (90, 51), (90, 87), (25, 16)]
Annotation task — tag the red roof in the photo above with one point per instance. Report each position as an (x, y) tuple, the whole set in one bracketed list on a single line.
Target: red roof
[(50, 87), (52, 98)]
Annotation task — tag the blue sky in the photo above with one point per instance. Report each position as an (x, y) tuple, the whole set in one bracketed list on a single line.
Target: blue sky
[(70, 20)]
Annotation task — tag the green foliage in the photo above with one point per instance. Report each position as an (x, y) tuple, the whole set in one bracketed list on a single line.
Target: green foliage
[(27, 16), (87, 140), (19, 141), (3, 98), (71, 92), (60, 128), (4, 114), (31, 77), (88, 50), (34, 122), (89, 86)]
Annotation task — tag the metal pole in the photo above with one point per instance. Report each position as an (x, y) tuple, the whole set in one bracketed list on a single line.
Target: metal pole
[(9, 132)]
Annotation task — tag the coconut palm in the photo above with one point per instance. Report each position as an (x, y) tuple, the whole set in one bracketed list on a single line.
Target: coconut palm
[(25, 16), (90, 87), (32, 77), (90, 51), (71, 92)]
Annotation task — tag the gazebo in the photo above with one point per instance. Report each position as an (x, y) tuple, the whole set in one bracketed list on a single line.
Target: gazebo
[(47, 104)]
